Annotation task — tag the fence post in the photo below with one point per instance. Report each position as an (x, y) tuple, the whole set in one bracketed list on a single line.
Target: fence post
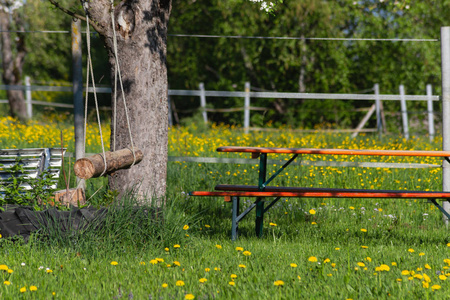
[(78, 106), (247, 107), (445, 69), (404, 110), (376, 88), (201, 87), (430, 112), (28, 97)]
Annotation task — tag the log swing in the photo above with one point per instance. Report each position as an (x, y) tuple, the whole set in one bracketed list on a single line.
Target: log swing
[(108, 161)]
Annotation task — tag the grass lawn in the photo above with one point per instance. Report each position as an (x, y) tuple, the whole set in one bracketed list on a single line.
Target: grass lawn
[(311, 248)]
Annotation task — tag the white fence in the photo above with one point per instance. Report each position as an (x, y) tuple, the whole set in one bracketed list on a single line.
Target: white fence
[(247, 94)]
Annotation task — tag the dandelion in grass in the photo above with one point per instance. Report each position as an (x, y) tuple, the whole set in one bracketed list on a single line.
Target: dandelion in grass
[(207, 226), (361, 264), (313, 223), (33, 288), (399, 280), (185, 227), (448, 244), (426, 278), (23, 289), (177, 263), (421, 254), (418, 276), (425, 284), (4, 268), (427, 266), (351, 207), (179, 283), (278, 283), (153, 261), (333, 265), (164, 285), (218, 246), (368, 259), (10, 271), (419, 269), (394, 263), (6, 282), (364, 247), (189, 297), (166, 249), (312, 259), (176, 246), (435, 287), (363, 230), (217, 269), (233, 276), (272, 224), (203, 280), (239, 249), (327, 260), (142, 263), (247, 253), (113, 263), (242, 266), (406, 273), (442, 277), (207, 269), (232, 283), (329, 274), (293, 265), (410, 250), (337, 249), (312, 212), (51, 271)]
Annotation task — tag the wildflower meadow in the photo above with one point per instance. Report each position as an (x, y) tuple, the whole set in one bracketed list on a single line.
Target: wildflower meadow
[(311, 248)]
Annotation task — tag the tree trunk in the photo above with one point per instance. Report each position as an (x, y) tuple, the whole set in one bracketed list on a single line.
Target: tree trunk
[(141, 28), (12, 66)]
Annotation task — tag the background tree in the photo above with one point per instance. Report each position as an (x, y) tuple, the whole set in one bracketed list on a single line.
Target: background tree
[(13, 54)]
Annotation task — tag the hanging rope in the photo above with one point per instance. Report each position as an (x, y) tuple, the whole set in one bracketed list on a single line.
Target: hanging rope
[(91, 73), (118, 73)]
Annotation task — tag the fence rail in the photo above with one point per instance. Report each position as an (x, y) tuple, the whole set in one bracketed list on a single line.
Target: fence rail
[(247, 94)]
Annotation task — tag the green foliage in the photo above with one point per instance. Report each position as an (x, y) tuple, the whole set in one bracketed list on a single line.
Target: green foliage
[(14, 192)]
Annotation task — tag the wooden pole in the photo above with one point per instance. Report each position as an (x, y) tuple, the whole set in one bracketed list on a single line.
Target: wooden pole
[(94, 166)]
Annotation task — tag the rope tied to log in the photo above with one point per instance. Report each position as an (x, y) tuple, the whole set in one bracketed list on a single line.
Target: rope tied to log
[(117, 73)]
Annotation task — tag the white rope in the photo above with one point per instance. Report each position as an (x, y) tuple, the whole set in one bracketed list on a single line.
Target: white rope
[(117, 72), (91, 73)]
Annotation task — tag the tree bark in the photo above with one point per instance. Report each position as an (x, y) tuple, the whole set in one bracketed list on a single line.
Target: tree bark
[(13, 66), (141, 28)]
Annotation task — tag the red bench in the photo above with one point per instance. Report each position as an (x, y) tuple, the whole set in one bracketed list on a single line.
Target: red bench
[(233, 193)]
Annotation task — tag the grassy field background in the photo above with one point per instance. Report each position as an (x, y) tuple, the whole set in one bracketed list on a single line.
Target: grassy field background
[(312, 248)]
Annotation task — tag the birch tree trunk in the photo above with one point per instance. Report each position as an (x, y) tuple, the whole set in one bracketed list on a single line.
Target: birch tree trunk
[(141, 28)]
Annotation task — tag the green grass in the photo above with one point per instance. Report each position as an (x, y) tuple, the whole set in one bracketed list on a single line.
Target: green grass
[(78, 265)]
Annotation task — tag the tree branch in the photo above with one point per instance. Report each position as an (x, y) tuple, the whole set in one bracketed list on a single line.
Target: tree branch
[(75, 15)]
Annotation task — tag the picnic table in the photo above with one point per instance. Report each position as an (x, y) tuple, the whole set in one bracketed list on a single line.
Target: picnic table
[(233, 193)]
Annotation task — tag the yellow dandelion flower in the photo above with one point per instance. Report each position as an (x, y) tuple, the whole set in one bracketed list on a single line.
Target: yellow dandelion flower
[(361, 264), (189, 297), (351, 207), (10, 271), (242, 266), (363, 230), (442, 277), (399, 279), (6, 282), (176, 246), (406, 273), (233, 276), (231, 283), (312, 211), (364, 247), (419, 269), (327, 260), (142, 263), (33, 288), (435, 287), (278, 283), (421, 254), (177, 263), (153, 261), (207, 226), (425, 284), (50, 271), (239, 249), (185, 227), (207, 269), (426, 278), (293, 265), (337, 249), (218, 246), (164, 285), (114, 263), (410, 250), (247, 253), (4, 268), (166, 249), (312, 259), (418, 276), (394, 263), (368, 259), (179, 283), (427, 266), (272, 224), (313, 223), (23, 289), (329, 275), (333, 265), (203, 280)]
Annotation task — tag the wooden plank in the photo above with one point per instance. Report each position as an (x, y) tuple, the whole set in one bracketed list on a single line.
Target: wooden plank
[(334, 151), (330, 194)]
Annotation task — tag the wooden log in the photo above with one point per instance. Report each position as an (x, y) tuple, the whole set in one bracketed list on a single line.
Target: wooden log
[(94, 166), (74, 197)]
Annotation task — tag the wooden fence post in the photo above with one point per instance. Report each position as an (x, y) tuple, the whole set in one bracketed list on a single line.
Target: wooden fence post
[(376, 88), (430, 112), (247, 107), (404, 111), (201, 87)]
